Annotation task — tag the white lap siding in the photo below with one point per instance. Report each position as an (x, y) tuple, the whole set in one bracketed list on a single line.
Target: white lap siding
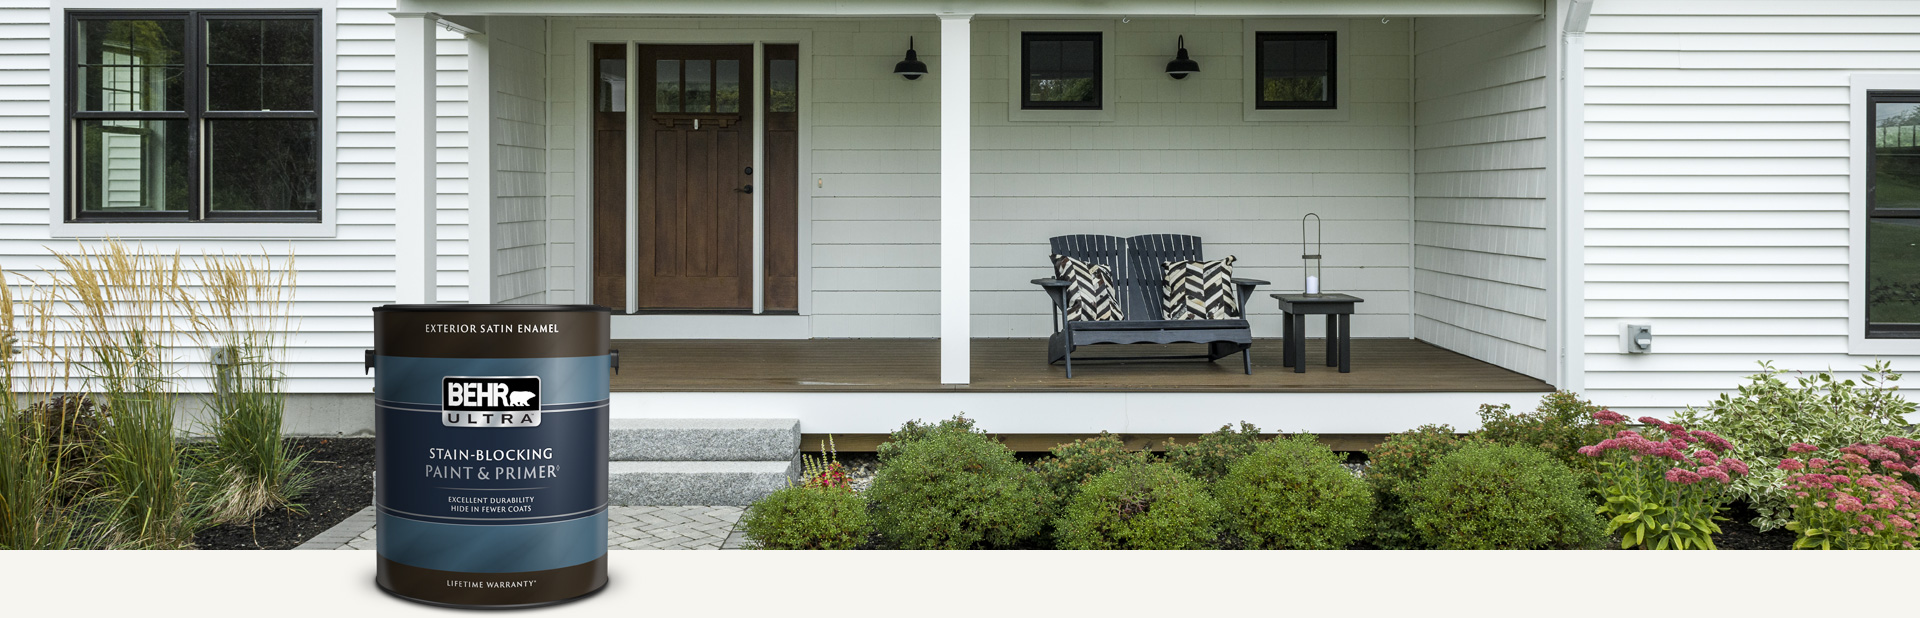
[(1180, 158), (1717, 204), (517, 49), (340, 278), (1480, 184)]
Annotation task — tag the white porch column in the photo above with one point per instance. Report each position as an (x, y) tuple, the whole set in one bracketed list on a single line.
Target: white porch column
[(413, 173), (956, 196)]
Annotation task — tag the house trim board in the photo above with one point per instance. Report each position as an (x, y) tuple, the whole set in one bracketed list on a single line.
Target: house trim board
[(1082, 412)]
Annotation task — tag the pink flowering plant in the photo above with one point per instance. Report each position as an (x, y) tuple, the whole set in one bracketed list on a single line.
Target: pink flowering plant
[(1862, 499), (1664, 485)]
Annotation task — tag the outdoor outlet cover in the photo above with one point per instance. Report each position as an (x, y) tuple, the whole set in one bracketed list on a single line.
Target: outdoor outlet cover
[(1639, 338)]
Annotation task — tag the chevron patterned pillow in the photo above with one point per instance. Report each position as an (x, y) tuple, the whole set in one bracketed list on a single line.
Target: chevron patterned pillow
[(1090, 295), (1200, 290)]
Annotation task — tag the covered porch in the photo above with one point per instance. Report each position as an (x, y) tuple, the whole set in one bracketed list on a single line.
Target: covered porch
[(920, 209)]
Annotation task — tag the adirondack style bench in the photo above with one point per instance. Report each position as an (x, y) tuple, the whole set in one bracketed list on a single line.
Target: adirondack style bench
[(1138, 276)]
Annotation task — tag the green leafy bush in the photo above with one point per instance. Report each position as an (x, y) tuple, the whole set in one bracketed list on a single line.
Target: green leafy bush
[(1489, 496), (1140, 507), (1292, 493), (1767, 415), (915, 431), (956, 490), (1209, 457), (1558, 427), (1394, 467), (800, 517), (1068, 466)]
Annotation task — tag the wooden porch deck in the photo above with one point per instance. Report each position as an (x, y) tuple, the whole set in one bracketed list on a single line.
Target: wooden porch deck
[(1019, 365)]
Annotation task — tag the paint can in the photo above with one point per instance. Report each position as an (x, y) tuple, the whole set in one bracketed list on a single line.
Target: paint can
[(490, 484)]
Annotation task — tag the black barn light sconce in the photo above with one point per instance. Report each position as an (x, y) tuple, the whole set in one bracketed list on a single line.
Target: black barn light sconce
[(911, 68), (1181, 65)]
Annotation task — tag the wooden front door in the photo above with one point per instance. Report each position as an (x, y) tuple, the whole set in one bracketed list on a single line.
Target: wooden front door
[(695, 169)]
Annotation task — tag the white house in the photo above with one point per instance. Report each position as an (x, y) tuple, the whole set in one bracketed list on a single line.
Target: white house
[(788, 228)]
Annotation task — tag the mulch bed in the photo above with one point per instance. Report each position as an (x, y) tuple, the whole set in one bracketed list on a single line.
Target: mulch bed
[(1736, 533), (342, 473)]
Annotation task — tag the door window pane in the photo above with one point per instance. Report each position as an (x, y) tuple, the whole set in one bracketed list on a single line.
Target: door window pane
[(699, 92), (1896, 155), (726, 91), (131, 65), (783, 86), (612, 89), (132, 165), (255, 165), (1295, 70), (666, 86), (259, 65)]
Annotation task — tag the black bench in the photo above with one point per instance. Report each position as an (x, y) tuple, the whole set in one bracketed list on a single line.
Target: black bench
[(1138, 285)]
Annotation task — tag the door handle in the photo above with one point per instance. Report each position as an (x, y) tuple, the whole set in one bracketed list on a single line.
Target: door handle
[(746, 189)]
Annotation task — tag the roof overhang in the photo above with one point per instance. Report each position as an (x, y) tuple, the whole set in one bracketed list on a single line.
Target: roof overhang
[(1012, 8)]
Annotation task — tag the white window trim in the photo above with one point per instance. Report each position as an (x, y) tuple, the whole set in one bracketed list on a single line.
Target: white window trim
[(1109, 96), (60, 227), (1858, 128), (1343, 71)]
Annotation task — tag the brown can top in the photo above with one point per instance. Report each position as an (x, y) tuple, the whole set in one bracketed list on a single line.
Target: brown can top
[(491, 331)]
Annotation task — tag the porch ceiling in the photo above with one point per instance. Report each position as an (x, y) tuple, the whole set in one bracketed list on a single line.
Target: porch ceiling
[(1011, 8)]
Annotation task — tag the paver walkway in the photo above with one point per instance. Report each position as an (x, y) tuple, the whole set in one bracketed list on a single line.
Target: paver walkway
[(628, 527)]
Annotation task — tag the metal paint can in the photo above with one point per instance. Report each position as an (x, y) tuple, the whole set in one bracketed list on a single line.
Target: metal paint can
[(490, 484)]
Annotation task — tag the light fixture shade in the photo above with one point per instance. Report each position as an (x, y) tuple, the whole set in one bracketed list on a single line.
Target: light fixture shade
[(912, 67), (1181, 65)]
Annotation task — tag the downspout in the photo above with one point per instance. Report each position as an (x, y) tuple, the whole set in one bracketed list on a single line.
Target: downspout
[(1572, 230)]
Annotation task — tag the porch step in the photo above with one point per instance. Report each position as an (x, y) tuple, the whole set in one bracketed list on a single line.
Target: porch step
[(703, 483), (720, 439)]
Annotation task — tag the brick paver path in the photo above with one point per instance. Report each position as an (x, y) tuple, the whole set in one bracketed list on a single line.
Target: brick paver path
[(628, 527)]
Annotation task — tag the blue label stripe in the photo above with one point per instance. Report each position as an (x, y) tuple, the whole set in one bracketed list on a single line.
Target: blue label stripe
[(435, 408), (563, 381), (494, 549), (491, 521)]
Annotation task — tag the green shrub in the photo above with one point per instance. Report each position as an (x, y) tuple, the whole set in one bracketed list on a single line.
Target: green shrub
[(1558, 427), (1766, 416), (1292, 493), (956, 490), (800, 517), (1394, 467), (1489, 496), (915, 431), (1140, 507), (1069, 466), (1209, 457)]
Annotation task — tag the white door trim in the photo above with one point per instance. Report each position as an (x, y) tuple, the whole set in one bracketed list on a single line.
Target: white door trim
[(582, 43)]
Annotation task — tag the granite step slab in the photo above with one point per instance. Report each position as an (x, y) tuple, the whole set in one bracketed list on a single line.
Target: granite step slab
[(725, 439)]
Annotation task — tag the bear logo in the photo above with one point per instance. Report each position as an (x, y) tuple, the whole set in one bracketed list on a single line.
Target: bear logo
[(520, 399)]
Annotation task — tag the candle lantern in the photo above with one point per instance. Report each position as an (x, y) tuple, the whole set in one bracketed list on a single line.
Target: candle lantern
[(1310, 256)]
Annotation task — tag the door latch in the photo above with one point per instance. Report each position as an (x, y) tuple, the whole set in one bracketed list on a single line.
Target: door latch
[(696, 124), (746, 189)]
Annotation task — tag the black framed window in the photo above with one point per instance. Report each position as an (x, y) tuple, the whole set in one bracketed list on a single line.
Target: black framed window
[(1063, 70), (1296, 70), (1893, 215), (193, 116)]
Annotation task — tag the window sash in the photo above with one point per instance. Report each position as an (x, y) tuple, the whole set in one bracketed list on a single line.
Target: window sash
[(195, 64), (1027, 39), (1884, 330), (1260, 40)]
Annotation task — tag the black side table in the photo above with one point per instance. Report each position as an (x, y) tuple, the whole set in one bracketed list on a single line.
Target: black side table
[(1294, 309)]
